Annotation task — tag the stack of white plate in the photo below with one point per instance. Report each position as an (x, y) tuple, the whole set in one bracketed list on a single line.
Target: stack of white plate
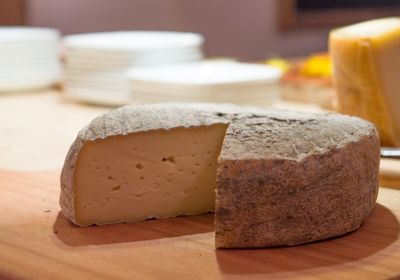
[(208, 81), (28, 58), (96, 63)]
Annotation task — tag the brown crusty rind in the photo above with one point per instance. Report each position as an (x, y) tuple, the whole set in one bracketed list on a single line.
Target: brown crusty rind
[(288, 180), (132, 119)]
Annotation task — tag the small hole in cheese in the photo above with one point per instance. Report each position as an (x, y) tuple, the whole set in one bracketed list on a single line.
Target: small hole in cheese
[(139, 166), (170, 159), (116, 188)]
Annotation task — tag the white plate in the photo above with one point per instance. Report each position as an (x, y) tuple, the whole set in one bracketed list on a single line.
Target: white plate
[(29, 70), (104, 82), (48, 55), (22, 80), (106, 76), (115, 83), (205, 74), (27, 34), (32, 62), (20, 47), (28, 51), (26, 85), (21, 77), (133, 57), (81, 75), (125, 64), (22, 57), (46, 59), (130, 41), (132, 61), (116, 53)]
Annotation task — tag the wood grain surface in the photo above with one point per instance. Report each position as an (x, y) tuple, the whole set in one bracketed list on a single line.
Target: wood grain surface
[(37, 242)]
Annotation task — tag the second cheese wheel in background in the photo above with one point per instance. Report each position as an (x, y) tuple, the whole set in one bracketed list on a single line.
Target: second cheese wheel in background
[(366, 64)]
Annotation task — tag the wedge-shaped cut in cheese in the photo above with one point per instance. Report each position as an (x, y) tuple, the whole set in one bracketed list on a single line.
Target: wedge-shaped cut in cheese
[(281, 178), (366, 60), (158, 173), (144, 162)]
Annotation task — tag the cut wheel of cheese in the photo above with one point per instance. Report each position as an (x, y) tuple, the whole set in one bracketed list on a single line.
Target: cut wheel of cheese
[(366, 61), (281, 178)]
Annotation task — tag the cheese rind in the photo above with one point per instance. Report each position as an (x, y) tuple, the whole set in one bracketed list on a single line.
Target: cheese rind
[(366, 61), (289, 179)]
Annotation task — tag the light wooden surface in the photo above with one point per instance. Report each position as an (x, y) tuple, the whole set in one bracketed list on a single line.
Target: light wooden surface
[(37, 242), (38, 124)]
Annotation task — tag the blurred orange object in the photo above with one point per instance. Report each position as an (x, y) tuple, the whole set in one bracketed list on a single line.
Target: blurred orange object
[(309, 80), (317, 66)]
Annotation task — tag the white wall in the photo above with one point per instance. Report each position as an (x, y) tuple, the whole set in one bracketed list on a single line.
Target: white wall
[(240, 28)]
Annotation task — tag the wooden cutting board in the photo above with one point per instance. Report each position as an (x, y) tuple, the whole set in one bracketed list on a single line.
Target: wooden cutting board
[(37, 242)]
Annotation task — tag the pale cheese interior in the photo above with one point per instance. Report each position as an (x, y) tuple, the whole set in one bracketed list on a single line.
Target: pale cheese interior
[(366, 58), (159, 173)]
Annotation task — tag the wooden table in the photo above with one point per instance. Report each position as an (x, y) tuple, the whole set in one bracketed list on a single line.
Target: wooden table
[(37, 242)]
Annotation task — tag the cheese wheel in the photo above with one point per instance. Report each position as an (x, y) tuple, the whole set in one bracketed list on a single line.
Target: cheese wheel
[(366, 62), (281, 178)]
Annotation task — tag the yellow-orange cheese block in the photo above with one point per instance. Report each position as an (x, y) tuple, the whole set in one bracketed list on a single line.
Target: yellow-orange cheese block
[(366, 61)]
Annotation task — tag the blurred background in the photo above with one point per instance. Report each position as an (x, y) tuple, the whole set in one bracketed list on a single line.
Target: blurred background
[(246, 30), (56, 75)]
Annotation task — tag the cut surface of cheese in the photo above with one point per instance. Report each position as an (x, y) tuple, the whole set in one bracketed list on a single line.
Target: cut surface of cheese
[(142, 175), (366, 61), (281, 178)]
